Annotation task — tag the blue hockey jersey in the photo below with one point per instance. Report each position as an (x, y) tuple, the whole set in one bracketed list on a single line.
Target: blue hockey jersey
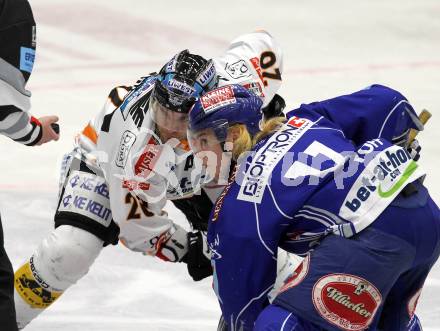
[(306, 180)]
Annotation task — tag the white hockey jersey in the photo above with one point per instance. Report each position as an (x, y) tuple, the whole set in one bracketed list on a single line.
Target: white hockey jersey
[(122, 142)]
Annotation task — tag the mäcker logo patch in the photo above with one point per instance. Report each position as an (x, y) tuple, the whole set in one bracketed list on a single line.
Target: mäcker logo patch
[(347, 301)]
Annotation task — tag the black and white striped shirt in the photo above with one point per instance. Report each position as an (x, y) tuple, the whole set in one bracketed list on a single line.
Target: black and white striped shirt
[(15, 120)]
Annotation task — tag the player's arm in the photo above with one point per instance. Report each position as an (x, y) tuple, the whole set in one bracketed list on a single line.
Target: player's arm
[(145, 227), (17, 124), (17, 55), (197, 209), (375, 112), (16, 62), (244, 267), (137, 198)]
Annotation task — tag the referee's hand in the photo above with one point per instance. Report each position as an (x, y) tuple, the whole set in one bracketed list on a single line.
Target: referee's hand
[(48, 125)]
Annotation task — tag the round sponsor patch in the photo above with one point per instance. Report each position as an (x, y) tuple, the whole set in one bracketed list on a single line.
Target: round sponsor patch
[(298, 275), (347, 301), (412, 303)]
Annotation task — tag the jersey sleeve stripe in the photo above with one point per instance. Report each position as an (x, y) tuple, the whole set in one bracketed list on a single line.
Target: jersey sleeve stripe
[(14, 123), (34, 134), (19, 126), (5, 111)]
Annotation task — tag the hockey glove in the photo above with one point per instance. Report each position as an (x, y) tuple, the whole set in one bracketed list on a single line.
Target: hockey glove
[(171, 246), (414, 150), (198, 258), (274, 108)]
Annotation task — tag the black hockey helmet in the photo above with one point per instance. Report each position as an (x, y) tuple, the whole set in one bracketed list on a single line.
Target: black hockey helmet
[(184, 78), (17, 38)]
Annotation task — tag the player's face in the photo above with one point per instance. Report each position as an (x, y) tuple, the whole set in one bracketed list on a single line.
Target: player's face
[(170, 124), (209, 150)]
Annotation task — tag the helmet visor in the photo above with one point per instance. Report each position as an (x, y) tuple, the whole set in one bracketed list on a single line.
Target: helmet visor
[(213, 150), (173, 123), (205, 139)]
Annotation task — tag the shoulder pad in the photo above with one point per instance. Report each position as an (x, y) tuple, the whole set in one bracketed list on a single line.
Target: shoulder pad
[(141, 87)]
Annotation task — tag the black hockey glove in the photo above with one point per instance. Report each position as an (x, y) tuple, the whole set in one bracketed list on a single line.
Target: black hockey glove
[(414, 150), (274, 108), (198, 258)]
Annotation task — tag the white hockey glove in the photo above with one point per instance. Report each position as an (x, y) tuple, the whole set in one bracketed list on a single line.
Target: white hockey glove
[(171, 246)]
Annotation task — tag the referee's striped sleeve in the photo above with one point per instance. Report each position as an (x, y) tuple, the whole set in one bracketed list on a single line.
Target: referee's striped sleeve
[(19, 125)]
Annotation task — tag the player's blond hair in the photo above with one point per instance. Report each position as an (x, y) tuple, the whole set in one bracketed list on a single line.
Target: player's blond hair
[(244, 142)]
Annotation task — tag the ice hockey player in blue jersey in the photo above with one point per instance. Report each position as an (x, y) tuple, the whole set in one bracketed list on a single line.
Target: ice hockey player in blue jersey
[(360, 215)]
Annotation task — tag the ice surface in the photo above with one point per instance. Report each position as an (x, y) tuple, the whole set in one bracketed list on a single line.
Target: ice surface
[(87, 47)]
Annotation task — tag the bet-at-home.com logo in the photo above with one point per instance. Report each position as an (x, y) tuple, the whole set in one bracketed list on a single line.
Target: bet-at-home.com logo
[(385, 176)]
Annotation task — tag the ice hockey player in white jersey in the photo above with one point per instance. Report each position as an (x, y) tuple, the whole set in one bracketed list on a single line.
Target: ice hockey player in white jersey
[(130, 159)]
